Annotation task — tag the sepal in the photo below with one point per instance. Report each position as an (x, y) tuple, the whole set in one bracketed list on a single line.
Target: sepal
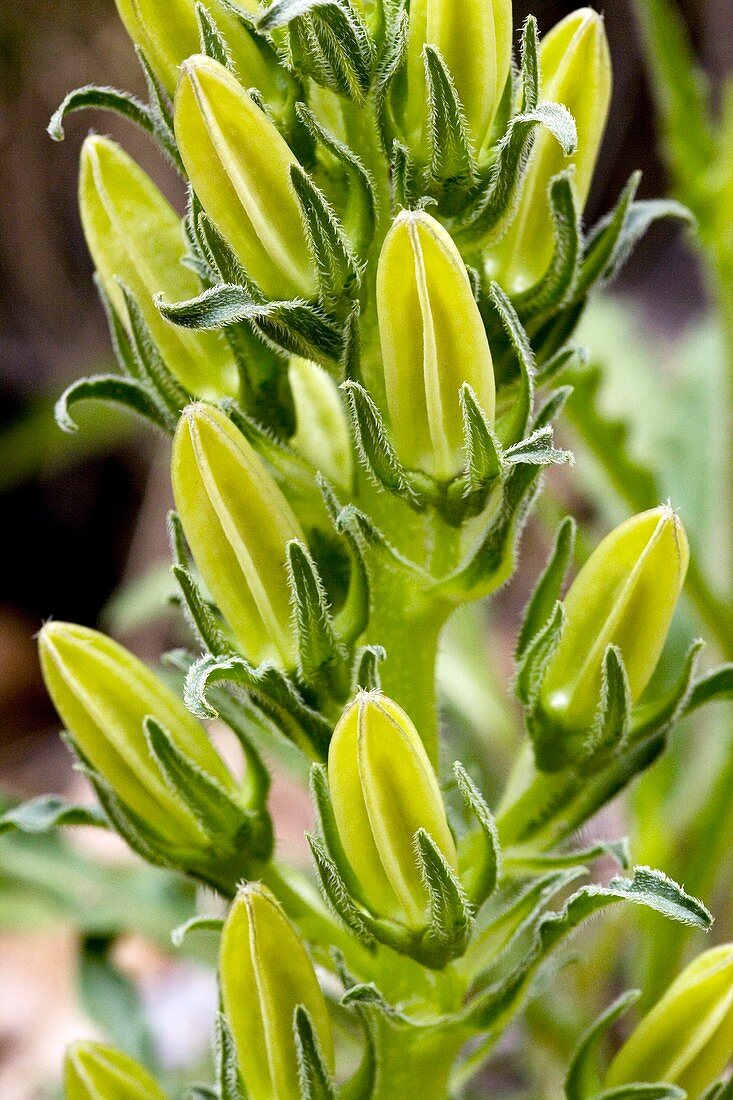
[(322, 657), (451, 164), (338, 269), (314, 1076), (479, 853), (450, 913), (548, 589)]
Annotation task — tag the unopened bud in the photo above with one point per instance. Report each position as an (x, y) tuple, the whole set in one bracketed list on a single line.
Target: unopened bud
[(433, 341), (169, 33), (383, 790), (322, 434), (576, 71), (265, 974), (93, 1071), (239, 166), (687, 1038), (238, 525), (624, 596), (474, 38), (134, 234), (104, 695)]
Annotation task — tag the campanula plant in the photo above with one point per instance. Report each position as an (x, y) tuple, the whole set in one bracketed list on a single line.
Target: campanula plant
[(353, 335)]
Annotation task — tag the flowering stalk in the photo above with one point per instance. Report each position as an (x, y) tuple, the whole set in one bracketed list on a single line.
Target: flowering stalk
[(354, 336)]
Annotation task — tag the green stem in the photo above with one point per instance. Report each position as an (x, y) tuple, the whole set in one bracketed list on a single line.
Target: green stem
[(414, 1062), (409, 628)]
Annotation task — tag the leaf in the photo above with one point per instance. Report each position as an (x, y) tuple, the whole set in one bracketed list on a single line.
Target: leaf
[(642, 1092), (203, 620), (213, 43), (715, 686), (451, 917), (117, 390), (583, 1081), (611, 730), (271, 692), (375, 449), (557, 284), (513, 426), (151, 367), (495, 207), (360, 214), (365, 674), (48, 812), (196, 924), (338, 270), (104, 99), (336, 892), (297, 327), (549, 586), (538, 450), (535, 658), (482, 448), (481, 875), (450, 145), (318, 648), (220, 818), (315, 1080), (225, 1058)]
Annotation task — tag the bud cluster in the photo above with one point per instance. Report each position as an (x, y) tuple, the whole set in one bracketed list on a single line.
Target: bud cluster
[(354, 338)]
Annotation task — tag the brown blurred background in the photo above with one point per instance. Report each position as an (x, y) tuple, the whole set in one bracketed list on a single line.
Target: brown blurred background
[(82, 515)]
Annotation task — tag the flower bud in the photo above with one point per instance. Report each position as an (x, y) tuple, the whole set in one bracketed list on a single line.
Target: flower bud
[(433, 340), (383, 790), (168, 34), (576, 71), (625, 595), (134, 234), (103, 695), (265, 974), (687, 1038), (474, 38), (238, 525), (239, 167), (93, 1071), (322, 434)]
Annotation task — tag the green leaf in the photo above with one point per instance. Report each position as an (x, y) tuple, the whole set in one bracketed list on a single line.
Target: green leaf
[(101, 99), (535, 658), (48, 812), (611, 732), (481, 874), (483, 450), (375, 450), (318, 648), (203, 620), (196, 924), (151, 368), (451, 918), (213, 43), (642, 1092), (558, 283), (549, 586), (297, 327), (530, 64), (338, 271), (513, 426), (271, 692), (218, 815), (229, 1084), (538, 450), (116, 390), (365, 674), (336, 892), (315, 1080), (451, 158), (583, 1080), (360, 207), (715, 686)]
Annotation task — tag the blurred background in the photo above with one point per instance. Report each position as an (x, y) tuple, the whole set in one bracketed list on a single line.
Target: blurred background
[(83, 534)]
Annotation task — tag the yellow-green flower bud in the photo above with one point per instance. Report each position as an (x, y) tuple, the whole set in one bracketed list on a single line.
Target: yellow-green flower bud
[(169, 33), (383, 790), (93, 1071), (687, 1038), (576, 71), (238, 525), (265, 974), (239, 166), (474, 38), (134, 234), (433, 340), (322, 434), (103, 695), (625, 595)]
